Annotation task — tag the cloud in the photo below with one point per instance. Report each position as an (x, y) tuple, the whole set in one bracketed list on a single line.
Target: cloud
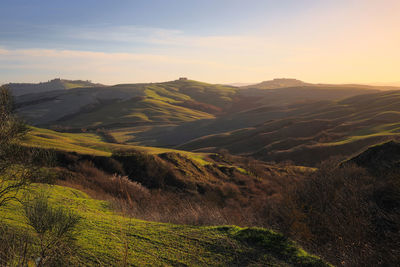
[(105, 67), (158, 37), (317, 52)]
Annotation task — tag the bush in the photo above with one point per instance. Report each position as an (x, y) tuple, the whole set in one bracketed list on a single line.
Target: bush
[(14, 164), (55, 230), (15, 246), (339, 212)]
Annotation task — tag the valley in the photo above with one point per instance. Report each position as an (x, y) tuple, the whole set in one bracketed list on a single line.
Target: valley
[(267, 121), (154, 165), (200, 133)]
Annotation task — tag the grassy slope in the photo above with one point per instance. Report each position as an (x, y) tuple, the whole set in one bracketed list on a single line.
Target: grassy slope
[(133, 112), (253, 107), (104, 234), (89, 143), (56, 84), (124, 105), (328, 128), (69, 84), (126, 108)]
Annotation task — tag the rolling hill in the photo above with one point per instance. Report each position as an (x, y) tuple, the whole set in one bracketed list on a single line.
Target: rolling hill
[(104, 236), (19, 89), (125, 105), (272, 122), (276, 83), (175, 102), (302, 131), (107, 237), (107, 155), (291, 83)]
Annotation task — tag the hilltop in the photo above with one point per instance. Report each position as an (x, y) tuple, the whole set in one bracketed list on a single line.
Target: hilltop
[(276, 83), (19, 89), (125, 104), (285, 123), (140, 113), (292, 83), (126, 194)]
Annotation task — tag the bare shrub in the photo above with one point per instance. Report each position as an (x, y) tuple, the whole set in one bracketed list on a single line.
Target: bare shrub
[(333, 213), (15, 171), (114, 185), (15, 246), (55, 230)]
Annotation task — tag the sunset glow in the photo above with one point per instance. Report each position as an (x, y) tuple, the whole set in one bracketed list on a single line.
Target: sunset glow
[(214, 41)]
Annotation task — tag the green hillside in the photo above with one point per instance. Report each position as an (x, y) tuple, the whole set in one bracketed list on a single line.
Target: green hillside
[(106, 238), (131, 112), (126, 105), (175, 102), (302, 131), (92, 144), (249, 107), (285, 123), (19, 89)]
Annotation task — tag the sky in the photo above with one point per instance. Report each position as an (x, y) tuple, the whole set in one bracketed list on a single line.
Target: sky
[(216, 41)]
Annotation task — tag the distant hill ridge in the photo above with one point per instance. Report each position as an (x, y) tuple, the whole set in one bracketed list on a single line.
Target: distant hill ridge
[(278, 124), (280, 83), (277, 83), (19, 89)]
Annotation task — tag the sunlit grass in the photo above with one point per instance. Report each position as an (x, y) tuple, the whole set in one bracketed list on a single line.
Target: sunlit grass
[(90, 143), (104, 234)]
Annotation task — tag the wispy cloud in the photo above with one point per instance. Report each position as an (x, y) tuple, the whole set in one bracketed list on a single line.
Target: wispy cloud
[(167, 38), (106, 67)]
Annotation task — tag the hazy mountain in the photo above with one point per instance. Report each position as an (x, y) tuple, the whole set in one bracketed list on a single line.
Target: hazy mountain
[(294, 83), (389, 84), (240, 84)]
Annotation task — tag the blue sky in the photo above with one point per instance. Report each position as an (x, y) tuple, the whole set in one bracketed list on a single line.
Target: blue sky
[(62, 24), (215, 41)]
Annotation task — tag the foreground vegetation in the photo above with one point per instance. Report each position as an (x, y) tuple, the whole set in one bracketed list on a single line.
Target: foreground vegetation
[(108, 239)]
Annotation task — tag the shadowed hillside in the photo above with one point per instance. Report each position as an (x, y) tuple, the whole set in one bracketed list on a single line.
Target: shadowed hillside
[(381, 158), (285, 123), (126, 104), (184, 188), (302, 131)]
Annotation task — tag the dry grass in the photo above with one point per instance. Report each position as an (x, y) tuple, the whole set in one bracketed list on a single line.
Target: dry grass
[(341, 213)]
